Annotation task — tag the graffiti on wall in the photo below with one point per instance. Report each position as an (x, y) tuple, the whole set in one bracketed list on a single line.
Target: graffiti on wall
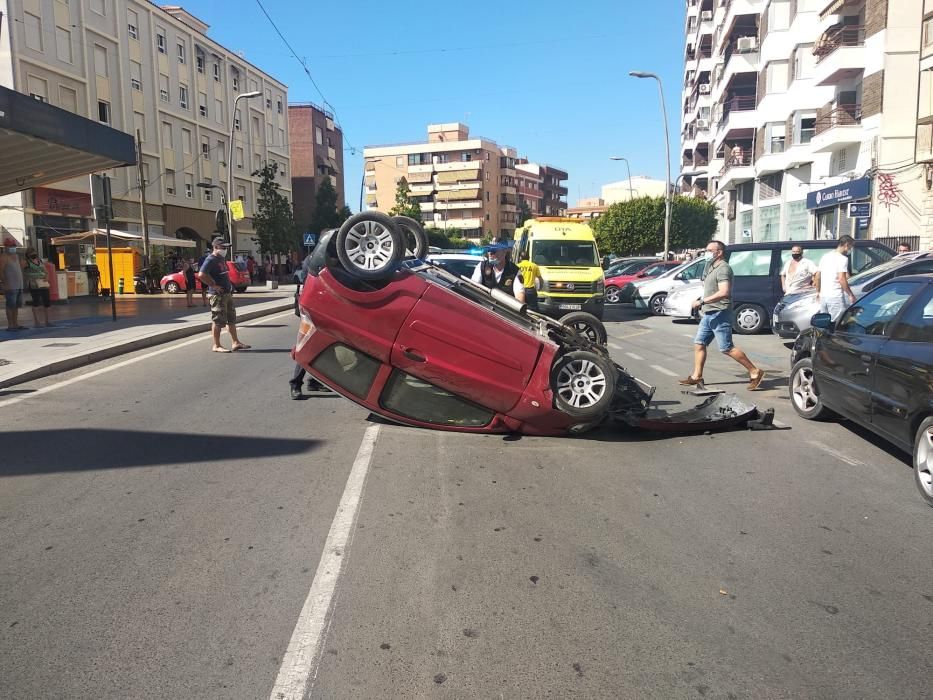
[(888, 191)]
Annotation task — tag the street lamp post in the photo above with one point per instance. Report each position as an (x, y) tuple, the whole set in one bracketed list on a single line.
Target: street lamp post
[(230, 190), (223, 199), (667, 162), (631, 193)]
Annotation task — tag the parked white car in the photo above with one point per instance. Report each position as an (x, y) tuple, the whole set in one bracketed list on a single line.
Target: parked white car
[(679, 303), (650, 294)]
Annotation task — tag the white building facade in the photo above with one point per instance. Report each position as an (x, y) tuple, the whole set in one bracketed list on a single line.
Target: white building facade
[(637, 186)]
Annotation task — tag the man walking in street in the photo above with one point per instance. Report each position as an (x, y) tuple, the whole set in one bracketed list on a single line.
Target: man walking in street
[(798, 273), (531, 277), (216, 278), (716, 321), (11, 276), (832, 287)]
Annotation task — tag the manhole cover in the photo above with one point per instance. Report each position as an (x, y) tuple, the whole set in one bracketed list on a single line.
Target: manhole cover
[(59, 345)]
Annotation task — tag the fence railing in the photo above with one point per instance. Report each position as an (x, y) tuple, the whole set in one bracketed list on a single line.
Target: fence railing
[(841, 115), (846, 35)]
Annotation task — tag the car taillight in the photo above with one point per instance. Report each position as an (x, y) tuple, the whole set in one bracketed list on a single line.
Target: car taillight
[(305, 330)]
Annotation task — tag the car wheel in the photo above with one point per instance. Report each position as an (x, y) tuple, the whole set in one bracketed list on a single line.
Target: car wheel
[(370, 245), (172, 287), (803, 393), (416, 240), (923, 459), (749, 319), (583, 383), (612, 295), (656, 304), (586, 325)]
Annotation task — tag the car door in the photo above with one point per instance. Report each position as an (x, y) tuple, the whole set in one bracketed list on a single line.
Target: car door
[(904, 371), (475, 354), (845, 357)]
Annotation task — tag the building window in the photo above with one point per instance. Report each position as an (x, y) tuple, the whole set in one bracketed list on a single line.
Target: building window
[(319, 136), (189, 186), (205, 148), (167, 135), (136, 71), (103, 112), (160, 40), (236, 120), (38, 88), (442, 157), (63, 45), (100, 61), (775, 142), (804, 60), (218, 111), (186, 141), (132, 24), (68, 99), (183, 96), (282, 137), (268, 98), (202, 104), (181, 53), (221, 149), (239, 158), (208, 192), (217, 72), (928, 31), (139, 125), (235, 81), (170, 182), (770, 186), (163, 87), (278, 106), (807, 129), (466, 157), (199, 62)]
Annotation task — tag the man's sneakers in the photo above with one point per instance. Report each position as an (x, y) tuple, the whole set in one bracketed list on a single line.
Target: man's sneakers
[(315, 386), (690, 381), (295, 392)]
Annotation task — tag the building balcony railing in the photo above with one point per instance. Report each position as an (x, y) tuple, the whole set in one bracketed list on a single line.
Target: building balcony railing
[(841, 115), (845, 35), (736, 157), (700, 161), (739, 103)]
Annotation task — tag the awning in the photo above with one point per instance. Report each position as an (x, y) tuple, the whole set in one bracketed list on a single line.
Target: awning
[(99, 236), (41, 144), (419, 177), (449, 177), (457, 195)]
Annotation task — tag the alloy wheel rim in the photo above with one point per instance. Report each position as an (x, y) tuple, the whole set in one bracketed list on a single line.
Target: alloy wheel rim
[(925, 462), (803, 391), (369, 245), (585, 330), (612, 296), (581, 383), (658, 304)]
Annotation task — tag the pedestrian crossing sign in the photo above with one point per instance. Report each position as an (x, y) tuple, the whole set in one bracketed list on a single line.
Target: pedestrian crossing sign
[(236, 210), (310, 240)]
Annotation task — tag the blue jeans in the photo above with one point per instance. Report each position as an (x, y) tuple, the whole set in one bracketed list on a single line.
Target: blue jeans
[(14, 298), (718, 324)]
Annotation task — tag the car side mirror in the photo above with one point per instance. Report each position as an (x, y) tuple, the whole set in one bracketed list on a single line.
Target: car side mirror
[(679, 276), (821, 321)]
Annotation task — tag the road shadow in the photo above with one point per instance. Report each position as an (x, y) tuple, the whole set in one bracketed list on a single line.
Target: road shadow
[(72, 450)]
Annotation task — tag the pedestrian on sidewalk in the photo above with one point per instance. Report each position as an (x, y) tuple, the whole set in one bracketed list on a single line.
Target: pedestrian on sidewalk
[(11, 277), (716, 321), (832, 288), (197, 269), (36, 278), (216, 278), (187, 267)]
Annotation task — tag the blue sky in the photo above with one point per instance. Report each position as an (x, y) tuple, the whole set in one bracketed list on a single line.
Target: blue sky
[(549, 78)]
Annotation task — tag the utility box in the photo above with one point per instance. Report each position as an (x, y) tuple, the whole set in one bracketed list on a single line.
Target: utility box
[(126, 263)]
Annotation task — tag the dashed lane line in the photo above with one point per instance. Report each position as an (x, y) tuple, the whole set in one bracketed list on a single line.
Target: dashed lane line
[(664, 370), (615, 346), (635, 357), (851, 461)]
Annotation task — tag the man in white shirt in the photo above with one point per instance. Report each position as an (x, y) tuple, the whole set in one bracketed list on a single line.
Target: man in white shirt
[(832, 287), (798, 273), (498, 272)]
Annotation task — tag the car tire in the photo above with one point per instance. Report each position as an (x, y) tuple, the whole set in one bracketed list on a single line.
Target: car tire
[(923, 460), (586, 325), (172, 287), (583, 384), (804, 396), (416, 240), (749, 319), (612, 294), (370, 245), (656, 303)]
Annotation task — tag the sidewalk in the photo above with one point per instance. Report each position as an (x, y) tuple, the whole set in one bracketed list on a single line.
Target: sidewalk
[(83, 330)]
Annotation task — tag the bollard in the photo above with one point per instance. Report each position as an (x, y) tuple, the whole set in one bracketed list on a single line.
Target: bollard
[(120, 286)]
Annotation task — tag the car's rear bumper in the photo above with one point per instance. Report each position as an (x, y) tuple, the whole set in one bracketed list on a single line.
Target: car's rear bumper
[(784, 329), (557, 306)]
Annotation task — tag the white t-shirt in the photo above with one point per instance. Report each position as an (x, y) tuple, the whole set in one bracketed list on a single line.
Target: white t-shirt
[(802, 277), (517, 285), (830, 266)]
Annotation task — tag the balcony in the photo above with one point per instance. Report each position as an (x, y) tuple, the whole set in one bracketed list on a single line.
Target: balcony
[(738, 113), (840, 55), (737, 166), (837, 127)]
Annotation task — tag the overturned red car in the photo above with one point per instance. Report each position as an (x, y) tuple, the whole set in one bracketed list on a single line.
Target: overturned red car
[(419, 346)]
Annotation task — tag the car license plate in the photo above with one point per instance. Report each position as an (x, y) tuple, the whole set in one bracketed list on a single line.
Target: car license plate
[(570, 307)]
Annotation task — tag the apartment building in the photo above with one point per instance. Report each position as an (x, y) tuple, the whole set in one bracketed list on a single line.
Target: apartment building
[(924, 154), (463, 182), (794, 109), (316, 150), (143, 68), (551, 185)]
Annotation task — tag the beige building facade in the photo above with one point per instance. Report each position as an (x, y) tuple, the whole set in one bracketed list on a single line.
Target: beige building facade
[(924, 154), (143, 68)]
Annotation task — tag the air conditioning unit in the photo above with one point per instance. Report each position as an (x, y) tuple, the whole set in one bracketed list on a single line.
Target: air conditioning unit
[(747, 43), (704, 88), (702, 124), (706, 15)]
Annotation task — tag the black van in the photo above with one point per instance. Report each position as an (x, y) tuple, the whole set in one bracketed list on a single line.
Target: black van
[(756, 288)]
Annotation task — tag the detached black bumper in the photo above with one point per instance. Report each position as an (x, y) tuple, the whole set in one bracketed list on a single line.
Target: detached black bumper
[(555, 307)]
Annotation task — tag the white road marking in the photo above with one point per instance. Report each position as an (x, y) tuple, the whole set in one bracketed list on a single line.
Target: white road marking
[(615, 346), (689, 335), (300, 663), (635, 357), (664, 370), (779, 424), (201, 338), (851, 461)]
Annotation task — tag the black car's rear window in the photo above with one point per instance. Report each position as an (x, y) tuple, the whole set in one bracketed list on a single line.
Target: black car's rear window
[(415, 398)]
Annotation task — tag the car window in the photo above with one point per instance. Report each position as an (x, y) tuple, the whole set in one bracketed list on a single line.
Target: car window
[(347, 368), (865, 257), (694, 271), (417, 399), (750, 263), (874, 312), (655, 270), (582, 253), (459, 267), (916, 325)]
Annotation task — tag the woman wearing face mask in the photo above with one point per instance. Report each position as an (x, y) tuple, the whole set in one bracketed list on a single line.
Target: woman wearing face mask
[(36, 277)]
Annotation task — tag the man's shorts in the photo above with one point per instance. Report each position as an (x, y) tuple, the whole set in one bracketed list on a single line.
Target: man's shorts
[(14, 298), (222, 310), (718, 324)]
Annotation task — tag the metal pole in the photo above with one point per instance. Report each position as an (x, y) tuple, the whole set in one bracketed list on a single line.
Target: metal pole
[(113, 286), (667, 162), (142, 197), (631, 192), (230, 224)]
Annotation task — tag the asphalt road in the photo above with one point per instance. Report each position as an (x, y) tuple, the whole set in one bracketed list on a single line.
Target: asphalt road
[(163, 517)]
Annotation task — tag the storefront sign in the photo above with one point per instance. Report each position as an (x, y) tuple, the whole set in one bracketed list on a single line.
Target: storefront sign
[(860, 210), (62, 202), (840, 194)]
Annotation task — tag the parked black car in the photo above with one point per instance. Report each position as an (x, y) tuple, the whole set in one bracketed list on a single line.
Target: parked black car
[(874, 366)]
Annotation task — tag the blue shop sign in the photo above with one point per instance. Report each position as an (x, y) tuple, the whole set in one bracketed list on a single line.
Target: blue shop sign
[(840, 194)]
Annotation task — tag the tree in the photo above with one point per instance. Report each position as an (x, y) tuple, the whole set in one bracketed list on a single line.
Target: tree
[(326, 214), (447, 239), (636, 226), (404, 206), (273, 221), (524, 211), (344, 214)]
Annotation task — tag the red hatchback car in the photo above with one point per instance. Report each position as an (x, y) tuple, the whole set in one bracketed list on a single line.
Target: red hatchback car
[(614, 284), (174, 283), (419, 346)]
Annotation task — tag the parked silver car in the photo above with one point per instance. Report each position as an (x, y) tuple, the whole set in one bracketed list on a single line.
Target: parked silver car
[(679, 303)]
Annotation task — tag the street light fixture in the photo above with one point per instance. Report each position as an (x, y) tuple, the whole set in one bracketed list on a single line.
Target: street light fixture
[(667, 150), (241, 96), (631, 193)]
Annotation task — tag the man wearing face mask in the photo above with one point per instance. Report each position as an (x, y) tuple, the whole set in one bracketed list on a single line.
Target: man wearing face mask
[(11, 276), (832, 287), (717, 319), (498, 272), (799, 273), (216, 278)]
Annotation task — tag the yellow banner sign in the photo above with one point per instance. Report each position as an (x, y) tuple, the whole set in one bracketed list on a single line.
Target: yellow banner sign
[(236, 210)]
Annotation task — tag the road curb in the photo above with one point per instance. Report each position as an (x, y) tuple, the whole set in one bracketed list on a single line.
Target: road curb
[(121, 348)]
